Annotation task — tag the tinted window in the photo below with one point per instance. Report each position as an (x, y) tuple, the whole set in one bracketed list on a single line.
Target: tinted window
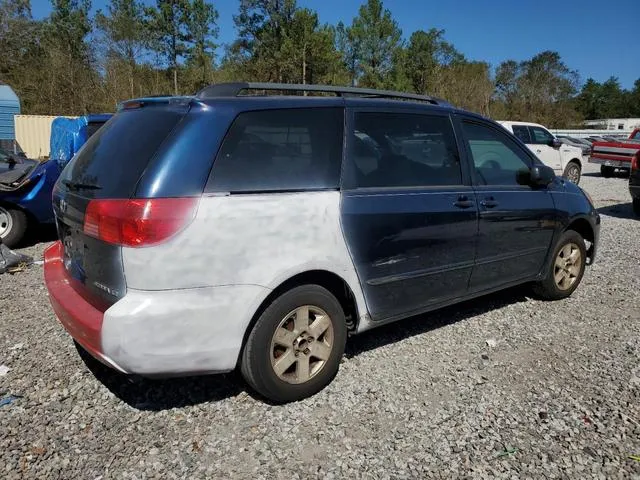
[(497, 159), (114, 158), (540, 135), (522, 132), (402, 150), (93, 127), (637, 135), (274, 150)]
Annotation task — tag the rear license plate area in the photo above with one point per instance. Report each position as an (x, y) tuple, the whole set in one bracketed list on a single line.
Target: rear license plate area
[(73, 251)]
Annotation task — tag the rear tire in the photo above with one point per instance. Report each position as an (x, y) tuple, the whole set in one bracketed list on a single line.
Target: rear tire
[(279, 359), (572, 172), (566, 269), (606, 172), (13, 226), (636, 206)]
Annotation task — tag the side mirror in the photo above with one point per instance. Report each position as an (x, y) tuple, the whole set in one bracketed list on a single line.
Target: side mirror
[(555, 143), (541, 175)]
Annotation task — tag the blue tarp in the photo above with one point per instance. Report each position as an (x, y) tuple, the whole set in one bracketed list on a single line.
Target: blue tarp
[(68, 135)]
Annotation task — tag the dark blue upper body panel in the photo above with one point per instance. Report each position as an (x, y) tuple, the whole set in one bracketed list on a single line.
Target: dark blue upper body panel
[(183, 163)]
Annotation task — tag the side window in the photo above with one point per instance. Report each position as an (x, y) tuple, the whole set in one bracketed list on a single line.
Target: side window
[(522, 132), (540, 136), (402, 150), (276, 150), (497, 159)]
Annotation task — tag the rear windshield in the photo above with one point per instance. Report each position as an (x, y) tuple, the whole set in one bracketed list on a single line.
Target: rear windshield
[(93, 127), (111, 162)]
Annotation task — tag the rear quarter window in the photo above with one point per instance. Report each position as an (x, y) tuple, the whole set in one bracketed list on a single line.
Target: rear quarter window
[(280, 150)]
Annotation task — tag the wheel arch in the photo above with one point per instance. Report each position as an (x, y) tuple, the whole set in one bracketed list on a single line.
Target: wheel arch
[(333, 282), (576, 160), (8, 204), (31, 218), (584, 228)]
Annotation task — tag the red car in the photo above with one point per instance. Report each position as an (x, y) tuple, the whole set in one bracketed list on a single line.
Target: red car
[(615, 154)]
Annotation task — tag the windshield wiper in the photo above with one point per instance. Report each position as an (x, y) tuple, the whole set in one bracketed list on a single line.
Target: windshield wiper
[(80, 186)]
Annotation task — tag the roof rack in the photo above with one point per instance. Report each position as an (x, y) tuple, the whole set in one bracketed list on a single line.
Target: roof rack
[(234, 90)]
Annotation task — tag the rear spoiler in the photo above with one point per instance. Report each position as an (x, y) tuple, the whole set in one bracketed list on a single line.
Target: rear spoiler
[(136, 103)]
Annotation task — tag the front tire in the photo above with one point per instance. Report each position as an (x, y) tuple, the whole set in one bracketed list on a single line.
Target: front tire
[(13, 226), (572, 172), (606, 171), (566, 270), (295, 347), (636, 206)]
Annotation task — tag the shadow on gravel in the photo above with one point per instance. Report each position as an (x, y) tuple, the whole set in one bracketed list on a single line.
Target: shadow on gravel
[(619, 210), (397, 331), (157, 395), (39, 234), (617, 174), (163, 394)]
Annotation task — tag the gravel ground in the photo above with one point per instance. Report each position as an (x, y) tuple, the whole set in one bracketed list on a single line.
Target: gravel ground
[(503, 386)]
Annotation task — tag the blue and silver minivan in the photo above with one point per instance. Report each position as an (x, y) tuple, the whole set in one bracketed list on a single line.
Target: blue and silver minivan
[(252, 227)]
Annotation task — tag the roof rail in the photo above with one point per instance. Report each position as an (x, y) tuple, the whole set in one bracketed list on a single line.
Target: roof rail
[(234, 90)]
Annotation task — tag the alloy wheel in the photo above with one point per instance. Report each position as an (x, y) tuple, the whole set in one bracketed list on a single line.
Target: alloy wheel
[(567, 266), (301, 344), (574, 174)]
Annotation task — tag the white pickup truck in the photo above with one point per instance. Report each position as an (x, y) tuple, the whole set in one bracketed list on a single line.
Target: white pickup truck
[(564, 159)]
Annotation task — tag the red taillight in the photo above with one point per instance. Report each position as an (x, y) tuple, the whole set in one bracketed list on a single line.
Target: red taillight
[(635, 161), (138, 222)]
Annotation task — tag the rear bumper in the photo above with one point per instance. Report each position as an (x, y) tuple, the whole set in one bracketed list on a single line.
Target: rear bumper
[(610, 163), (81, 319), (157, 333)]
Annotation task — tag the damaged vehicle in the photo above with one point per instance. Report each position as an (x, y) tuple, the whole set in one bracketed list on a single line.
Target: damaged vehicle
[(258, 231), (26, 184), (25, 195)]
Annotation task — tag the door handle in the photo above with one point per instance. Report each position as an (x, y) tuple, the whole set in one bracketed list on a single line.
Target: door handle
[(489, 202), (463, 202)]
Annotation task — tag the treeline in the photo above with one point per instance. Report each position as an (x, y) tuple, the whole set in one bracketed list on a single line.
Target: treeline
[(72, 62)]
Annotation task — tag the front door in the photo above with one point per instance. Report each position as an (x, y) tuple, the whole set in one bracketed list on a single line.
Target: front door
[(517, 221), (541, 145), (409, 212)]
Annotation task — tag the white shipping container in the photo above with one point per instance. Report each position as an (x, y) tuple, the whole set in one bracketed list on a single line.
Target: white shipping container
[(33, 134)]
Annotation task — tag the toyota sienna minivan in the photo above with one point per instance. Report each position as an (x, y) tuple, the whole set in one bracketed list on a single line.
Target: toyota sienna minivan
[(252, 227)]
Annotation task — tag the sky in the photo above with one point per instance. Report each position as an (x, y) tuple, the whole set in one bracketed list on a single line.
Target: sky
[(596, 38)]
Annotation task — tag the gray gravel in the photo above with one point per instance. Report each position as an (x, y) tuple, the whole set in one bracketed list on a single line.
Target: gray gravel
[(504, 386)]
